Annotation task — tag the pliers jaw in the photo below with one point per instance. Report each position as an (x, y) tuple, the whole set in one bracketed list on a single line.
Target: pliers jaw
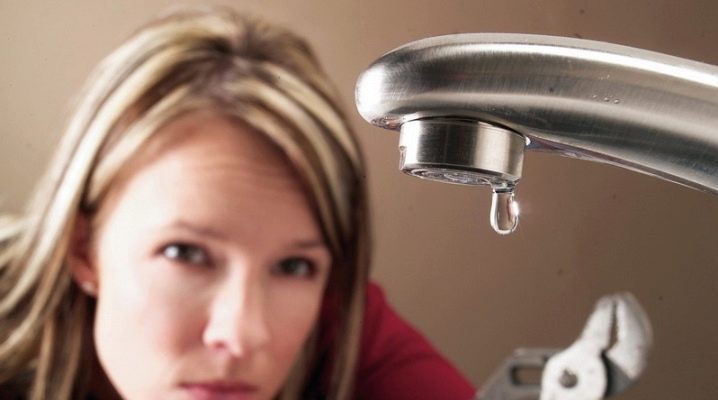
[(607, 358), (627, 358)]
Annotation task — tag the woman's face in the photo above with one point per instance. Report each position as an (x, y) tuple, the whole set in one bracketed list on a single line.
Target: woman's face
[(210, 267)]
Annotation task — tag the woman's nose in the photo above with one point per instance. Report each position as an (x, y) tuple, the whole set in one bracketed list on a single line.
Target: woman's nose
[(237, 321)]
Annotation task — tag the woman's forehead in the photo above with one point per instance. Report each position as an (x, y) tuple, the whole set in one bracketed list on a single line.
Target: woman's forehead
[(197, 132), (203, 158)]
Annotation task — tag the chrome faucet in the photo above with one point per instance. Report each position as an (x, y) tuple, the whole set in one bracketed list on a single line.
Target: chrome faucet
[(468, 106)]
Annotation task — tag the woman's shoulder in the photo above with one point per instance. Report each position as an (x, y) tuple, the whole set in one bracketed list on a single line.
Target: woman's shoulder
[(397, 362)]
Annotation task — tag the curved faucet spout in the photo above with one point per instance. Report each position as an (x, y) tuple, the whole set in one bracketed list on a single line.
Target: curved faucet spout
[(641, 110)]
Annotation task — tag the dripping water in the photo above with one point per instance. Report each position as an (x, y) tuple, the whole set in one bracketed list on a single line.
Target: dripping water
[(504, 211)]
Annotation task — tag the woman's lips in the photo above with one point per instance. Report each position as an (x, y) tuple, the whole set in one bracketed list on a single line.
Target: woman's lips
[(221, 391)]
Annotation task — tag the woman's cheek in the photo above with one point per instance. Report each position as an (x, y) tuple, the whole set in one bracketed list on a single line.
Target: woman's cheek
[(295, 308), (157, 308), (145, 325), (174, 307)]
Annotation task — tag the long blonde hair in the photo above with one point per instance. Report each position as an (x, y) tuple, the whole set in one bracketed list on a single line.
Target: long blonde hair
[(185, 61)]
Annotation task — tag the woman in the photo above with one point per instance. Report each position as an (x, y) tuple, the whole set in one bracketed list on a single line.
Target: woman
[(202, 233)]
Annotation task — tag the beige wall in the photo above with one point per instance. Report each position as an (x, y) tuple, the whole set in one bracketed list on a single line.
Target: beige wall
[(587, 229)]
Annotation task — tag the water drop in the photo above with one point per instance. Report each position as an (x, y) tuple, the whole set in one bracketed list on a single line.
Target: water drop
[(616, 101), (606, 99), (504, 216)]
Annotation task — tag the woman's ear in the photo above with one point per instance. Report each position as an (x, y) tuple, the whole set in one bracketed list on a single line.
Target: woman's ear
[(79, 256)]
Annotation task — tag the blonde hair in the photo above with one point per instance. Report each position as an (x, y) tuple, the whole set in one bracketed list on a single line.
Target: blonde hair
[(186, 61)]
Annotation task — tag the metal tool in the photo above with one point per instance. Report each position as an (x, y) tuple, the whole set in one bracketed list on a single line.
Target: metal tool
[(606, 359), (468, 105), (508, 381)]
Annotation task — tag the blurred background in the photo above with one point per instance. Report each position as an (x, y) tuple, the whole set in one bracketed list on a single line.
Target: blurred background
[(586, 229)]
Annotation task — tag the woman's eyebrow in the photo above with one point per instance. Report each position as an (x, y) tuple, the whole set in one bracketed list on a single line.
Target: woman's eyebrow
[(201, 230), (197, 229), (309, 243)]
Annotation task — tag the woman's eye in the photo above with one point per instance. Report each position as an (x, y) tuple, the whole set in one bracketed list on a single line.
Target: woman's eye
[(299, 267), (186, 254)]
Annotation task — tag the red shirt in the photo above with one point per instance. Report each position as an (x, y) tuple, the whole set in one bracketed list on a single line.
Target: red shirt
[(396, 362)]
